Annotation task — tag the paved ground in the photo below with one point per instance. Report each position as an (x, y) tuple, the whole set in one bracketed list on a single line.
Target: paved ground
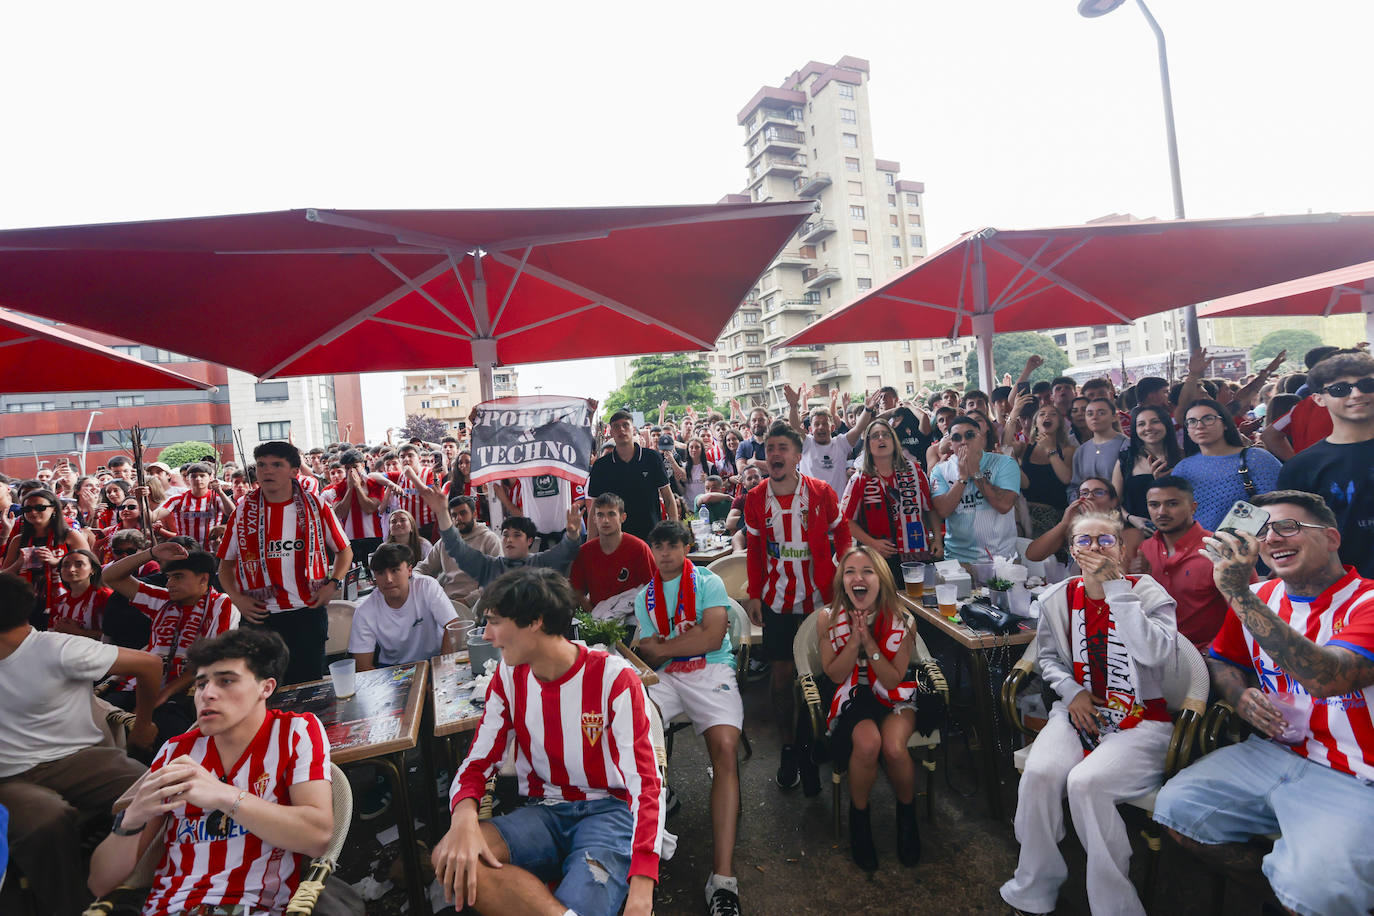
[(789, 861)]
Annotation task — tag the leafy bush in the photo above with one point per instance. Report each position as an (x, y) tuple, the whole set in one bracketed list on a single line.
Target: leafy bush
[(600, 632), (174, 456)]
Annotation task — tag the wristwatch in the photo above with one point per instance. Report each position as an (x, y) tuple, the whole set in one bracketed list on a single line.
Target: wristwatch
[(875, 656), (338, 583), (120, 830)]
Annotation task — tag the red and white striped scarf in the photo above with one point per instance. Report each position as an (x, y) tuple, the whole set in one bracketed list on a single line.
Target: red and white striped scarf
[(684, 616), (1108, 660), (250, 532), (889, 630)]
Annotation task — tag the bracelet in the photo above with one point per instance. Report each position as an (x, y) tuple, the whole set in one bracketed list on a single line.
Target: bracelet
[(242, 795)]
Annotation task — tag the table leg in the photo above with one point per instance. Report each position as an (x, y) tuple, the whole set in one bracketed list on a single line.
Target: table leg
[(987, 732), (394, 765)]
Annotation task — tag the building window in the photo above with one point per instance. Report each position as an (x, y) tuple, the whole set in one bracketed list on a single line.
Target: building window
[(861, 260), (851, 165), (271, 391), (454, 402), (910, 387), (755, 381), (751, 339), (906, 365), (927, 365), (1061, 340), (892, 221), (856, 212), (1123, 347), (1082, 355), (856, 189), (870, 357), (775, 373), (849, 141), (896, 241), (1080, 337), (1099, 331), (897, 264), (278, 429), (125, 400), (85, 405), (917, 241), (128, 349), (1100, 349), (751, 318), (891, 181), (913, 219), (863, 282), (892, 202), (906, 346), (913, 200), (846, 91), (849, 116), (861, 236), (754, 360)]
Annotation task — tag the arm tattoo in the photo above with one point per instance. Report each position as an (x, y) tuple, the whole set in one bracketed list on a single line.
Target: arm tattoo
[(1322, 672), (1230, 682)]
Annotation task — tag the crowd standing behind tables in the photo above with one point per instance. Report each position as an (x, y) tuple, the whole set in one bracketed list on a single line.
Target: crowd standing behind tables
[(1293, 653)]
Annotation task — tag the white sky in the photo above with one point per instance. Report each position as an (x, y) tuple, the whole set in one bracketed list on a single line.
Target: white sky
[(1016, 113)]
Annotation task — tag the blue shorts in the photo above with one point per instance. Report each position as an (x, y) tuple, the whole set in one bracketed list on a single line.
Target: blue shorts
[(1324, 862), (584, 845)]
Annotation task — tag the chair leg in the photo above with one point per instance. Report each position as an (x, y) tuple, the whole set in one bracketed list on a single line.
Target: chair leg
[(744, 742), (1154, 843), (835, 780), (929, 764)]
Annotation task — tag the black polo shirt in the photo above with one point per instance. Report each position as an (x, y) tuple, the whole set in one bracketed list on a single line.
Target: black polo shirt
[(636, 481)]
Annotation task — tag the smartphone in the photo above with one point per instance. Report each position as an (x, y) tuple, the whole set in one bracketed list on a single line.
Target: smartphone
[(1023, 387), (1242, 517)]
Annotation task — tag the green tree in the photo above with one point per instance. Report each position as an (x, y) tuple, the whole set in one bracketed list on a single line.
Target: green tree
[(174, 456), (1295, 341), (423, 426), (678, 378), (1009, 354)]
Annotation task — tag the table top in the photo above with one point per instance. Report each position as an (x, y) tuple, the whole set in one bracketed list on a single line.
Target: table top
[(381, 718), (965, 635), (710, 556), (450, 688)]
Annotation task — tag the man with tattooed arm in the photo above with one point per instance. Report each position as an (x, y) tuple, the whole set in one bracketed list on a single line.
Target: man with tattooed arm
[(1295, 658)]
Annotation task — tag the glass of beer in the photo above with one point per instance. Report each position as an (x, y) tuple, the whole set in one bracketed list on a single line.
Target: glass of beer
[(914, 575), (947, 596)]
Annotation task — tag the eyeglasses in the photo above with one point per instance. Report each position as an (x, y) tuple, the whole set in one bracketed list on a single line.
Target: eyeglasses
[(962, 437), (37, 510), (1342, 389), (129, 508), (1209, 420), (1094, 493), (1102, 540), (1285, 527)]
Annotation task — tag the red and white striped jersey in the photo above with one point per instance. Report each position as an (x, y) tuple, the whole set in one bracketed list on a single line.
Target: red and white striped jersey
[(410, 499), (176, 626), (1341, 729), (288, 550), (88, 611), (309, 482), (212, 860), (194, 517), (357, 523), (584, 736), (790, 563)]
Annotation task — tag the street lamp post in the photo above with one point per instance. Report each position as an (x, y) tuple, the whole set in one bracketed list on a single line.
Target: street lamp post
[(86, 439), (1091, 9), (36, 466)]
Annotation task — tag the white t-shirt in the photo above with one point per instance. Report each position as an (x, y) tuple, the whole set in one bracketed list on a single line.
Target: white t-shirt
[(826, 462), (45, 692), (409, 633), (546, 501)]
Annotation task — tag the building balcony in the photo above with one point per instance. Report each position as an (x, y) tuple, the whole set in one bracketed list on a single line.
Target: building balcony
[(779, 165), (744, 370), (786, 354), (811, 185), (800, 306), (780, 139), (793, 259), (831, 370), (816, 229), (815, 278), (776, 118)]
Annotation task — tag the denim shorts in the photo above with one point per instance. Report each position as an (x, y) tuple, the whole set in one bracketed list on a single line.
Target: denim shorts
[(1324, 861), (584, 845)]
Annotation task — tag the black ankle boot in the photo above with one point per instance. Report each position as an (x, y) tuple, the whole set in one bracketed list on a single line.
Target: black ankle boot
[(908, 834), (861, 839)]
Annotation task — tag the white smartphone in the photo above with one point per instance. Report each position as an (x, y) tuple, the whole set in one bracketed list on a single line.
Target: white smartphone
[(1243, 517)]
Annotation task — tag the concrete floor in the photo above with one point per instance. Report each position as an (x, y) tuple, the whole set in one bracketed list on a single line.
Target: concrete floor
[(788, 860)]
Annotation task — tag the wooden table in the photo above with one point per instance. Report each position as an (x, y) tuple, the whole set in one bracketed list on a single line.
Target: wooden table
[(707, 557), (977, 645), (377, 724)]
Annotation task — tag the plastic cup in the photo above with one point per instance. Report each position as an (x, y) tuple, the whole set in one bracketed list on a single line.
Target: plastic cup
[(1297, 714), (456, 634), (344, 675), (983, 573), (947, 597), (914, 575)]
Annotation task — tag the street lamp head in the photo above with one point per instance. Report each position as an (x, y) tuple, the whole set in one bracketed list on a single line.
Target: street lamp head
[(1091, 9)]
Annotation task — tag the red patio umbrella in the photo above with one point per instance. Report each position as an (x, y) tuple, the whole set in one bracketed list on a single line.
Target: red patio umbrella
[(329, 291), (1098, 273), (1335, 292), (39, 357)]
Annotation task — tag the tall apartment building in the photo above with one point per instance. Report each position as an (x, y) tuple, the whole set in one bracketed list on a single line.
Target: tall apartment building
[(811, 138), (450, 394), (39, 429)]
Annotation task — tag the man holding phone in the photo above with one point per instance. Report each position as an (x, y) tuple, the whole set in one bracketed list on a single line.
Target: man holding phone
[(1295, 659)]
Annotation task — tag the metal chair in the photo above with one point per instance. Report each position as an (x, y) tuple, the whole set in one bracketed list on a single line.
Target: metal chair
[(807, 655), (313, 878), (1185, 691)]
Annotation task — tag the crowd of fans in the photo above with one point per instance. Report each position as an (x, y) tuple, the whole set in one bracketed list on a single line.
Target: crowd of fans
[(188, 599)]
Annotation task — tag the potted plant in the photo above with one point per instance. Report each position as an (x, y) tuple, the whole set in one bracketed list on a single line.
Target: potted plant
[(999, 593), (600, 632)]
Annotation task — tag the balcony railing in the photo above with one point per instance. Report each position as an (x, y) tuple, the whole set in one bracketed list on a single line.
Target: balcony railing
[(820, 277), (830, 370), (817, 228), (779, 164), (811, 185)]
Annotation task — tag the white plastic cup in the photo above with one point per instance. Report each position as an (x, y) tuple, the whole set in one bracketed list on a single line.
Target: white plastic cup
[(1297, 716), (914, 577), (947, 597), (344, 675)]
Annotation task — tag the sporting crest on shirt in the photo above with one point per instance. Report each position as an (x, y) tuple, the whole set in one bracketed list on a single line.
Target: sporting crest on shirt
[(593, 723), (260, 786)]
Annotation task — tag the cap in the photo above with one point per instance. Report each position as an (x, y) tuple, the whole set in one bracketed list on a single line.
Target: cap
[(159, 464), (665, 442)]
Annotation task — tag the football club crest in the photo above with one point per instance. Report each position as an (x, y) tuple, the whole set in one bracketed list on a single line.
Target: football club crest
[(260, 786), (592, 725)]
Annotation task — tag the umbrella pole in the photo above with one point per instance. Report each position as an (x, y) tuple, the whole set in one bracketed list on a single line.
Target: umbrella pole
[(983, 331)]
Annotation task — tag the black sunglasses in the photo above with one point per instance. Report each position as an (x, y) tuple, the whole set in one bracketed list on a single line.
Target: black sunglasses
[(40, 508), (1342, 389), (960, 437)]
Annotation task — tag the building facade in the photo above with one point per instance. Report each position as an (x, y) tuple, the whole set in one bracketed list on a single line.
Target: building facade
[(40, 430), (811, 138), (451, 394)]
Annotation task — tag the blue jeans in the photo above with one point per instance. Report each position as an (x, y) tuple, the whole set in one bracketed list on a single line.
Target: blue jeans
[(1324, 863), (585, 845)]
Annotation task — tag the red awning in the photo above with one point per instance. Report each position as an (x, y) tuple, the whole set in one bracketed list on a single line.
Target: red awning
[(303, 292), (1335, 292), (39, 358), (1098, 273)]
